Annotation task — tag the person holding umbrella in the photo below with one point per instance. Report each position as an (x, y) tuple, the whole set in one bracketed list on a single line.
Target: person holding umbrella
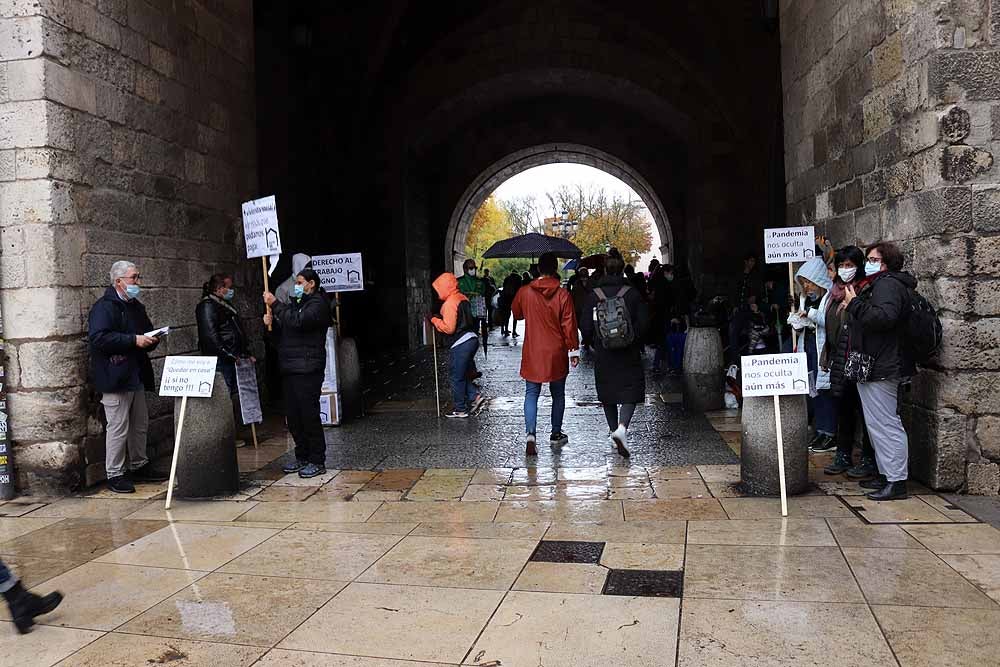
[(551, 343)]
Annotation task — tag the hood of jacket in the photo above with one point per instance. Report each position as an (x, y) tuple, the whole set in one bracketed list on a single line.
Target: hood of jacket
[(547, 286), (445, 285), (906, 278), (815, 271), (299, 261)]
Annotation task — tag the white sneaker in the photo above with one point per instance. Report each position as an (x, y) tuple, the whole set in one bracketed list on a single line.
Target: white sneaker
[(620, 437), (457, 414)]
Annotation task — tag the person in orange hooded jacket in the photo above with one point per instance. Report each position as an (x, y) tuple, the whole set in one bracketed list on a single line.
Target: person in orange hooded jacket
[(550, 342), (459, 327)]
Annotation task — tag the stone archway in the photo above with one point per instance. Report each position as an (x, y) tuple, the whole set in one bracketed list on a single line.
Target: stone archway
[(501, 170)]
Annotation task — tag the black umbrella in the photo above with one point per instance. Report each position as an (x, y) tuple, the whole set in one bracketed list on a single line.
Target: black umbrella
[(532, 245)]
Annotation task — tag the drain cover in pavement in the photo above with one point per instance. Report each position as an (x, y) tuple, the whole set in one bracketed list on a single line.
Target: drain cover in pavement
[(568, 552), (645, 583)]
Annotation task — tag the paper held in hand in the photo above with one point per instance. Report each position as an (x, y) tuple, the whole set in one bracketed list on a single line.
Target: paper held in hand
[(157, 333), (260, 227)]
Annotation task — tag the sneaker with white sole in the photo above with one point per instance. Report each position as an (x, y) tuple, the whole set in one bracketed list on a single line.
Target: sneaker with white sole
[(477, 405), (457, 414), (558, 439), (529, 448), (620, 437)]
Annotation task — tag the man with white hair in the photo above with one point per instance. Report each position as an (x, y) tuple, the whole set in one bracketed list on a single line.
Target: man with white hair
[(122, 373)]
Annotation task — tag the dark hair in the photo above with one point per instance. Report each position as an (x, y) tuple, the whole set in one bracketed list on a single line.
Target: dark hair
[(547, 265), (850, 253), (310, 276), (534, 271), (892, 256), (466, 263), (629, 270), (614, 264), (668, 268), (215, 282)]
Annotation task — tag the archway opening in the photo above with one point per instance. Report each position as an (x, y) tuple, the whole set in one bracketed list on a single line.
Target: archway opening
[(603, 172)]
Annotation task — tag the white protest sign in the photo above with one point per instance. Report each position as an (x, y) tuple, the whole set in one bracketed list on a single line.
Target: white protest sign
[(340, 273), (188, 376), (260, 227), (789, 244), (775, 374)]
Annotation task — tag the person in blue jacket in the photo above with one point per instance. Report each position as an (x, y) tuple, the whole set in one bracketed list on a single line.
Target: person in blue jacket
[(122, 372)]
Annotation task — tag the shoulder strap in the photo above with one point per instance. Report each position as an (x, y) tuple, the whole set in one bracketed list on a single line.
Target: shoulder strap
[(622, 291), (600, 294)]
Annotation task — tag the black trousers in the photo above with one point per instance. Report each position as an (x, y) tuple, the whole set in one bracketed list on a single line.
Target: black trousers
[(849, 416), (302, 411)]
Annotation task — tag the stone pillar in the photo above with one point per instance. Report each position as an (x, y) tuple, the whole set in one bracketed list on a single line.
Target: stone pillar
[(759, 449), (703, 370), (207, 464), (126, 132)]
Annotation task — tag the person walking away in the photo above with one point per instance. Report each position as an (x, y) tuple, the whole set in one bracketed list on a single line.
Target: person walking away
[(25, 606), (511, 284), (490, 292), (814, 281), (122, 373), (850, 266), (877, 309), (581, 288), (220, 335), (300, 332), (551, 344), (620, 319), (658, 316), (459, 327)]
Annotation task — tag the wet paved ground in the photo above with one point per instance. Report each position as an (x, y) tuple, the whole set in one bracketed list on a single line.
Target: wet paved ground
[(602, 562)]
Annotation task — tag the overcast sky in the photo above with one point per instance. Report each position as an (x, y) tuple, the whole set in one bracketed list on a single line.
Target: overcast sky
[(547, 178)]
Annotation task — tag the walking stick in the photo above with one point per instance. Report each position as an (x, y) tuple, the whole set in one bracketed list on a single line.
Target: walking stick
[(437, 387)]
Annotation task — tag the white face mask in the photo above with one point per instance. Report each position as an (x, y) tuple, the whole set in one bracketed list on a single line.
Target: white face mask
[(472, 272), (847, 275), (873, 267)]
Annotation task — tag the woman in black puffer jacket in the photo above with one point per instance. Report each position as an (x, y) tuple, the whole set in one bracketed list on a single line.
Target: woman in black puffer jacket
[(219, 331), (300, 327)]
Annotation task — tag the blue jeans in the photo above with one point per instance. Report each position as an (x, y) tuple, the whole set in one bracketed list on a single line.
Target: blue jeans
[(531, 392), (826, 412), (227, 367), (463, 392), (675, 345), (7, 578)]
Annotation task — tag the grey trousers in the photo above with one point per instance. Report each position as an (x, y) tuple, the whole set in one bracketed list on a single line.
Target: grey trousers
[(880, 402), (128, 422)]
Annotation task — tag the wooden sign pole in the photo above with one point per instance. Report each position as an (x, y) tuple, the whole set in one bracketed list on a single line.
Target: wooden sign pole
[(177, 449), (338, 314), (791, 301), (437, 387), (781, 456), (253, 432), (267, 287)]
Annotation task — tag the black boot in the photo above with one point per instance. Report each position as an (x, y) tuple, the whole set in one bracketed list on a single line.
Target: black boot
[(841, 463), (25, 606), (877, 483), (891, 491)]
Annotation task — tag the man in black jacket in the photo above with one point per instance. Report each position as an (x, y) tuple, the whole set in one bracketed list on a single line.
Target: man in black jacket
[(122, 373)]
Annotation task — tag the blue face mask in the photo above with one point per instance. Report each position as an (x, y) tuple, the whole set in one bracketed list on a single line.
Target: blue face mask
[(132, 291), (230, 293), (871, 268), (298, 291)]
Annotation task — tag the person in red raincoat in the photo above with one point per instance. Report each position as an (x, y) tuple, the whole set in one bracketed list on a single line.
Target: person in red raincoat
[(550, 344)]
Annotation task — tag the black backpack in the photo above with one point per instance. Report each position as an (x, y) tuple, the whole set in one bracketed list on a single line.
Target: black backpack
[(922, 331), (614, 322)]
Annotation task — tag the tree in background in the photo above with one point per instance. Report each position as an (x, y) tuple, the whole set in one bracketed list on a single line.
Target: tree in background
[(523, 215), (604, 221), (491, 223)]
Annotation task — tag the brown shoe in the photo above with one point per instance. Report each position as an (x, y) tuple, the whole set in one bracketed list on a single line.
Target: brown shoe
[(529, 449)]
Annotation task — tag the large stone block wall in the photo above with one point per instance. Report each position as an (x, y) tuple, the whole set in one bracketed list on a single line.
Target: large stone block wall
[(892, 127), (126, 132)]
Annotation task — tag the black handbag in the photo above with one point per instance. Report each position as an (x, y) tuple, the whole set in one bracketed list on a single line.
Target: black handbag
[(858, 366)]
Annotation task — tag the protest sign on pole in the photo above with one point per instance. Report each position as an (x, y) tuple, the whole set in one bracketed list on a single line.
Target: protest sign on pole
[(260, 232), (339, 273), (185, 377), (790, 244), (776, 375)]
